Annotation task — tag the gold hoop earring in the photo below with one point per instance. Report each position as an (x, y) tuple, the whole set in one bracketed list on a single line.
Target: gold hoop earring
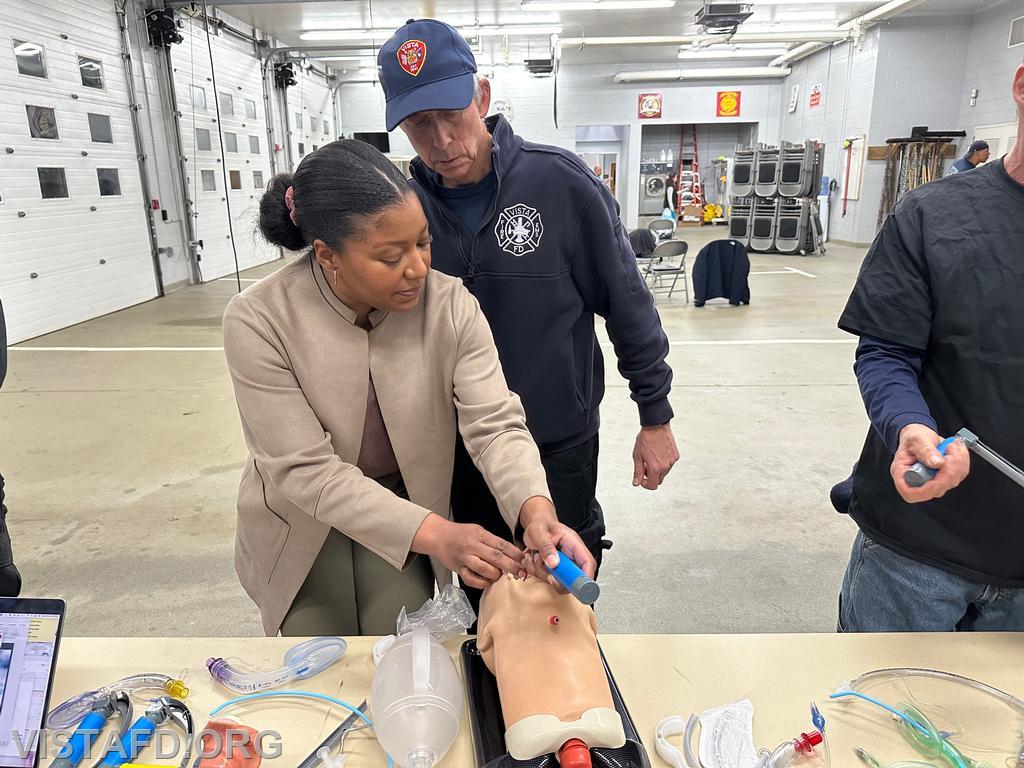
[(335, 278)]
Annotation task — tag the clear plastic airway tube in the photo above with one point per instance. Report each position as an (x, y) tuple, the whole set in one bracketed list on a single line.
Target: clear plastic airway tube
[(301, 661), (72, 711)]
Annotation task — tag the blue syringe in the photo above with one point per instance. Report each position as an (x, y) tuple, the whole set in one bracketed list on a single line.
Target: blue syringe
[(572, 577)]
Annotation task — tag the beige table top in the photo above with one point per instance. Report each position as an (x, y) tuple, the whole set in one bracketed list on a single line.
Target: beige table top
[(659, 675)]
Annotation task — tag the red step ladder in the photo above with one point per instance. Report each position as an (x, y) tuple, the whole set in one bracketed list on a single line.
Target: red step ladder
[(688, 184)]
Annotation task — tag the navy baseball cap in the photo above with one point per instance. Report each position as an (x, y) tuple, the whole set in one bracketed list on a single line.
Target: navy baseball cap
[(425, 65), (977, 146)]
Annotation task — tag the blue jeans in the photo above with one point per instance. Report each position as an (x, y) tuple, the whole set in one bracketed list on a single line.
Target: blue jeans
[(887, 592)]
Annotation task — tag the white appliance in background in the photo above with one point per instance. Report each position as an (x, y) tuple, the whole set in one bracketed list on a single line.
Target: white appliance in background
[(653, 177)]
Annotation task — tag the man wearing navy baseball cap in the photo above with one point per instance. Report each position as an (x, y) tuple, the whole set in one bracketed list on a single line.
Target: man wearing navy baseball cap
[(538, 240), (976, 154)]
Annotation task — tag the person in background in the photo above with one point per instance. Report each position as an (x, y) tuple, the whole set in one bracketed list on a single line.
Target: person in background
[(536, 237), (353, 367), (977, 154), (938, 310), (10, 578), (671, 193)]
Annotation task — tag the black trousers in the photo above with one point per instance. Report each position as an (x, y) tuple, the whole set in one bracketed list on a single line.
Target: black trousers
[(572, 480), (10, 579)]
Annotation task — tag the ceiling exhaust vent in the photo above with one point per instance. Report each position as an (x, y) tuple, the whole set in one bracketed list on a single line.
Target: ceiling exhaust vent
[(723, 18), (1016, 32)]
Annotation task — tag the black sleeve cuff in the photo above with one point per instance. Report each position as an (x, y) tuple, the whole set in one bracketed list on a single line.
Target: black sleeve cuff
[(655, 413)]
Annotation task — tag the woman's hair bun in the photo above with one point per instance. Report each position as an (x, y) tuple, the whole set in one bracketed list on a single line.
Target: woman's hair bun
[(275, 218)]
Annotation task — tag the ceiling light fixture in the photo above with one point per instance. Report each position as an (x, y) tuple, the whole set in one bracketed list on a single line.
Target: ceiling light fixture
[(594, 5), (511, 30), (488, 30)]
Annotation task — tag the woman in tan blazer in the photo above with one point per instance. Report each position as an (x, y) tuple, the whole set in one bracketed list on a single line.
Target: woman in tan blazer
[(353, 367)]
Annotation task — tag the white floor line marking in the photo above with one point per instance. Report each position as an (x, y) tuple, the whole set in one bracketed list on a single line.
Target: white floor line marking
[(800, 272), (748, 342), (606, 344), (784, 271), (116, 349)]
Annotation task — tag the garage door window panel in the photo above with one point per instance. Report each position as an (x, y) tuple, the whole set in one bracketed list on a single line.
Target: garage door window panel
[(198, 97), (91, 71), (250, 109), (227, 104), (30, 57), (254, 144), (202, 139), (99, 128), (230, 142), (42, 122), (53, 183), (109, 182), (209, 181), (236, 179)]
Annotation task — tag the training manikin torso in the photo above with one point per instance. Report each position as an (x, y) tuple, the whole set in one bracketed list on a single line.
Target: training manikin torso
[(542, 648)]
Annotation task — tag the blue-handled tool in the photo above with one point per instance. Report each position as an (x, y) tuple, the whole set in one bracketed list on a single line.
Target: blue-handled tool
[(85, 735), (572, 577), (132, 742), (919, 474)]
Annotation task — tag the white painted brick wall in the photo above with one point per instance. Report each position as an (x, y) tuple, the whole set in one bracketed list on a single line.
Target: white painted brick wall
[(989, 68), (847, 75)]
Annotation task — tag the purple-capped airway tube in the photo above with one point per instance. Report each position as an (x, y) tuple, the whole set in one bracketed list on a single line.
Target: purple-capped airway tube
[(572, 577)]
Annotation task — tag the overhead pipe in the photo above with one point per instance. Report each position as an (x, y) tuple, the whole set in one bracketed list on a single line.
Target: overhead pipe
[(720, 73), (800, 52), (701, 41)]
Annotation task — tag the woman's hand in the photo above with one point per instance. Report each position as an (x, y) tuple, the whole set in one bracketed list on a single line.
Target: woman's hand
[(478, 557), (544, 536)]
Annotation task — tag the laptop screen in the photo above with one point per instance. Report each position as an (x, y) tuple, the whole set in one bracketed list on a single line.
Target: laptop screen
[(28, 647)]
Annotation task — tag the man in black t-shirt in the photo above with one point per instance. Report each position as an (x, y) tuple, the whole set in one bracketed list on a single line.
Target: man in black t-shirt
[(939, 307)]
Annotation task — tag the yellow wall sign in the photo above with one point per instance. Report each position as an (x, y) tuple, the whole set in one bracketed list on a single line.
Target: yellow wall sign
[(728, 104)]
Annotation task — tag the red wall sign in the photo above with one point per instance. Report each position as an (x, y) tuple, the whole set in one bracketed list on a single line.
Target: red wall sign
[(648, 106), (728, 104), (815, 98)]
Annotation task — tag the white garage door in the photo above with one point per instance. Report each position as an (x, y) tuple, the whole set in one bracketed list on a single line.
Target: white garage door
[(310, 113), (73, 231), (242, 132)]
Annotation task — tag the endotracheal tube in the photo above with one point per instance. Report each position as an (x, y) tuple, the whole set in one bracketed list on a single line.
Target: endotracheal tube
[(301, 661)]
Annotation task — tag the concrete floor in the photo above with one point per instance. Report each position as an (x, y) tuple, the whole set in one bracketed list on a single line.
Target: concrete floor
[(122, 466)]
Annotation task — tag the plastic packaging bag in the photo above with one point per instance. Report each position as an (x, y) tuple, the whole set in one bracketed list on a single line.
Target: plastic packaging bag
[(446, 615)]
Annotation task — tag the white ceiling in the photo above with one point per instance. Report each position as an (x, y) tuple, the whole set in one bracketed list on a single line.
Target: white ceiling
[(287, 20)]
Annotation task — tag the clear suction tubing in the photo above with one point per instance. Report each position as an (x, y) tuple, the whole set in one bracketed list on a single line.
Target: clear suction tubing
[(417, 700), (301, 661)]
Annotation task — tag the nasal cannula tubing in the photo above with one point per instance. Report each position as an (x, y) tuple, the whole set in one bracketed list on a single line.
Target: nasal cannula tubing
[(299, 695), (74, 710), (301, 661)]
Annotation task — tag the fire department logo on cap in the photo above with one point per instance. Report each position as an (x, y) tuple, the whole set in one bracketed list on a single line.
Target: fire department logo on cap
[(519, 230), (411, 56)]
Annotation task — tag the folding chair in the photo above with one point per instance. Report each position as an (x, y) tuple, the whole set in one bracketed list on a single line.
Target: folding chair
[(663, 229), (661, 267)]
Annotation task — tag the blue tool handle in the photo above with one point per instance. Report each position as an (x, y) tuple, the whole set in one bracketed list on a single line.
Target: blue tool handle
[(85, 734), (572, 577), (132, 742), (919, 474)]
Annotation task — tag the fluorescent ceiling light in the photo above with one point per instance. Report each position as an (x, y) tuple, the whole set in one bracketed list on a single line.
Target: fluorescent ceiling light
[(762, 3), (490, 30), (737, 53), (594, 5), (513, 30), (341, 58), (345, 34)]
